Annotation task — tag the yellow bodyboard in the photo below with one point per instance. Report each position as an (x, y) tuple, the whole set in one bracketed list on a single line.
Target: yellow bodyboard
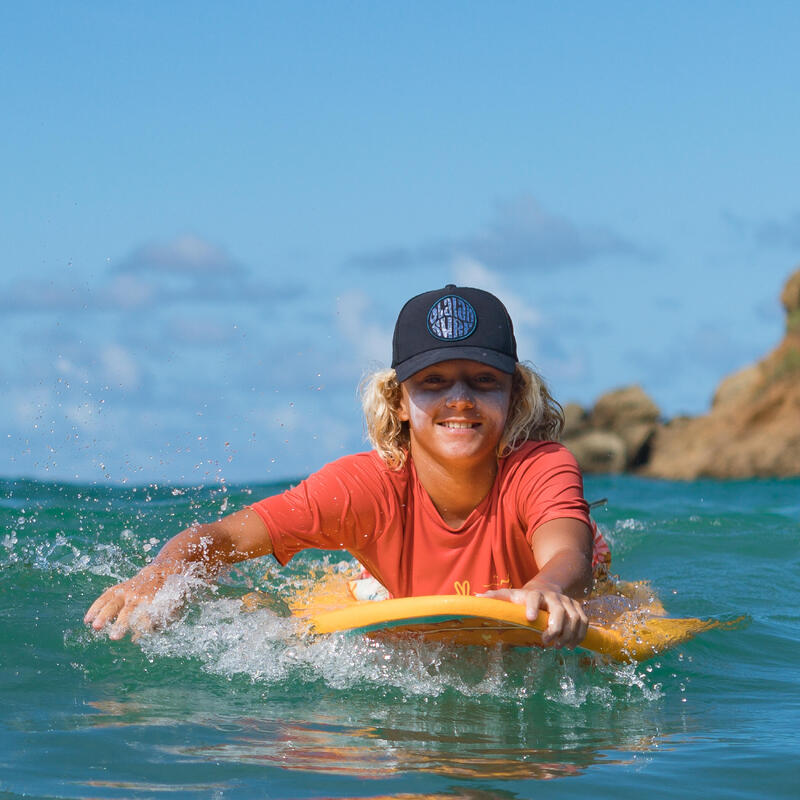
[(463, 619), (626, 620)]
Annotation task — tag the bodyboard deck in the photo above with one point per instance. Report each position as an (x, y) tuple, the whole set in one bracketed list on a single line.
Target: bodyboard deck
[(627, 622), (463, 619)]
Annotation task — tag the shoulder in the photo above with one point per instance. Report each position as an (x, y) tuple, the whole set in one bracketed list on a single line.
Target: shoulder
[(542, 481), (354, 481), (539, 456), (368, 462), (366, 470)]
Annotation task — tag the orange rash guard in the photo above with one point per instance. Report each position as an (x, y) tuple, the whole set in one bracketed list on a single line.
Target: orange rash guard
[(386, 519)]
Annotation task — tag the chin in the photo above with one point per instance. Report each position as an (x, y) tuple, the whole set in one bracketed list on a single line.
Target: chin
[(456, 454)]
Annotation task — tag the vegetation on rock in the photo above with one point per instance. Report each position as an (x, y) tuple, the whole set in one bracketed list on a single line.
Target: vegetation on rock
[(752, 429)]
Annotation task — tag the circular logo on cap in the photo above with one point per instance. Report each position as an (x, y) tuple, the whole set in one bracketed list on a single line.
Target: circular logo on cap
[(452, 318)]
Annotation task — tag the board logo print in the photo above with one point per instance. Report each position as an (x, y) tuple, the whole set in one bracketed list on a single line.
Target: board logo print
[(452, 318), (461, 587), (497, 583)]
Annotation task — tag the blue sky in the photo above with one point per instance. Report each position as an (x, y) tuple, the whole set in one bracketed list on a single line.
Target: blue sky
[(211, 213)]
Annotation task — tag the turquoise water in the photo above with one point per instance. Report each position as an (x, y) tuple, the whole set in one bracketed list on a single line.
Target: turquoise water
[(230, 704)]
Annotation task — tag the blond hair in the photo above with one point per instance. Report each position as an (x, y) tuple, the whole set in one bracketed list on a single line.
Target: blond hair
[(533, 414)]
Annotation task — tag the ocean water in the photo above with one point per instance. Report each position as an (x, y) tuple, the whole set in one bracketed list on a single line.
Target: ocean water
[(224, 703)]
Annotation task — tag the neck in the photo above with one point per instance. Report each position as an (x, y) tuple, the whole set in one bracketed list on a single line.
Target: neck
[(455, 489)]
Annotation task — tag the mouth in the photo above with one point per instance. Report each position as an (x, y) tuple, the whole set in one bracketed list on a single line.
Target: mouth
[(459, 425)]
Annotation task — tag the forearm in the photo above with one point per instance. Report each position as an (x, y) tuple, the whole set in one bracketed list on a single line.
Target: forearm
[(207, 547), (562, 582), (215, 545), (201, 545), (568, 572)]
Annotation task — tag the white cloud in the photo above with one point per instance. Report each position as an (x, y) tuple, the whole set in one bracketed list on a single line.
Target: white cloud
[(372, 342), (200, 331), (559, 362), (127, 292), (522, 235), (274, 418), (770, 233), (780, 233), (120, 369), (43, 295), (471, 272), (29, 405), (573, 368), (85, 415), (184, 255), (690, 366), (525, 316), (183, 270)]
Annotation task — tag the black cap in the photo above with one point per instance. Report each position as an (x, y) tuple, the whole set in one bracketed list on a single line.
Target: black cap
[(454, 322)]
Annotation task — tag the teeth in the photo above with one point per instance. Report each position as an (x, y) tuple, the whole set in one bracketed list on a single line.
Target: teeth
[(457, 424)]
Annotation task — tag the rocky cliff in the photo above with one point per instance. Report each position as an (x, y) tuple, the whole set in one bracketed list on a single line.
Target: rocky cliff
[(752, 429)]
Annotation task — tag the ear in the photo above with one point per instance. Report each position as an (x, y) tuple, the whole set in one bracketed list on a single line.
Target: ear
[(402, 407)]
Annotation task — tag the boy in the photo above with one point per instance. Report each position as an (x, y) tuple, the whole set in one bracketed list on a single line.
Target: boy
[(466, 491)]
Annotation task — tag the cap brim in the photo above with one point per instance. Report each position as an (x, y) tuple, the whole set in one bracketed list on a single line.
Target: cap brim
[(491, 358)]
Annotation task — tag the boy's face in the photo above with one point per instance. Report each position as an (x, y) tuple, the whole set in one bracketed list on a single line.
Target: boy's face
[(456, 411)]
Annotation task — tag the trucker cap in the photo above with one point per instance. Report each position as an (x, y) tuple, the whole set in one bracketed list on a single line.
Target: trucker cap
[(449, 323)]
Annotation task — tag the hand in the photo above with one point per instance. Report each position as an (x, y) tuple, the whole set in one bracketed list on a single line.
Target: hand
[(567, 622), (118, 603)]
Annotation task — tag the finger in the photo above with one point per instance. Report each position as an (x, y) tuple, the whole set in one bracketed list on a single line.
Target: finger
[(569, 629), (108, 611), (119, 628), (555, 624), (141, 624), (533, 602), (96, 606), (583, 624), (575, 624), (498, 594)]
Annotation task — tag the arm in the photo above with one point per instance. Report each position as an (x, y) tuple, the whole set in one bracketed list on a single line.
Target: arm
[(563, 550), (211, 547)]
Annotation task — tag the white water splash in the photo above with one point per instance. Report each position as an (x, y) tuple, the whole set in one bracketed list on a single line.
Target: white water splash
[(270, 649)]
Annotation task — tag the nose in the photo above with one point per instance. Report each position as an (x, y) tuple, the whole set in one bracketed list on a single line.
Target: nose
[(460, 396)]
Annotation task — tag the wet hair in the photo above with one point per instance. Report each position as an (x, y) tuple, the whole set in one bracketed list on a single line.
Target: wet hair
[(533, 414)]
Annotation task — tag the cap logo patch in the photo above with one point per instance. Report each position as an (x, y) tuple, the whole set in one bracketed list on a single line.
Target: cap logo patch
[(452, 318)]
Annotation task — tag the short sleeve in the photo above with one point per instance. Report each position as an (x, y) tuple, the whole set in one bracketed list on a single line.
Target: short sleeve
[(341, 507), (549, 486)]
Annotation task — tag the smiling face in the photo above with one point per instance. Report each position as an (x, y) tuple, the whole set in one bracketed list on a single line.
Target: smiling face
[(456, 412)]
